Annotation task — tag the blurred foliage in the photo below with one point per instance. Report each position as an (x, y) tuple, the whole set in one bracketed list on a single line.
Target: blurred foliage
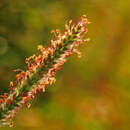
[(91, 93)]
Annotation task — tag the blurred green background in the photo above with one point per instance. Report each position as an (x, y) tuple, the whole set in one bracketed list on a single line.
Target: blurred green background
[(91, 93)]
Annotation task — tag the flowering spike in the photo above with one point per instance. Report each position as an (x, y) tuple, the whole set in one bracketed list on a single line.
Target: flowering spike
[(42, 69)]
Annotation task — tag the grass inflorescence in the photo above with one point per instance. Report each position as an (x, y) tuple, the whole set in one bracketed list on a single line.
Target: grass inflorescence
[(42, 69)]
